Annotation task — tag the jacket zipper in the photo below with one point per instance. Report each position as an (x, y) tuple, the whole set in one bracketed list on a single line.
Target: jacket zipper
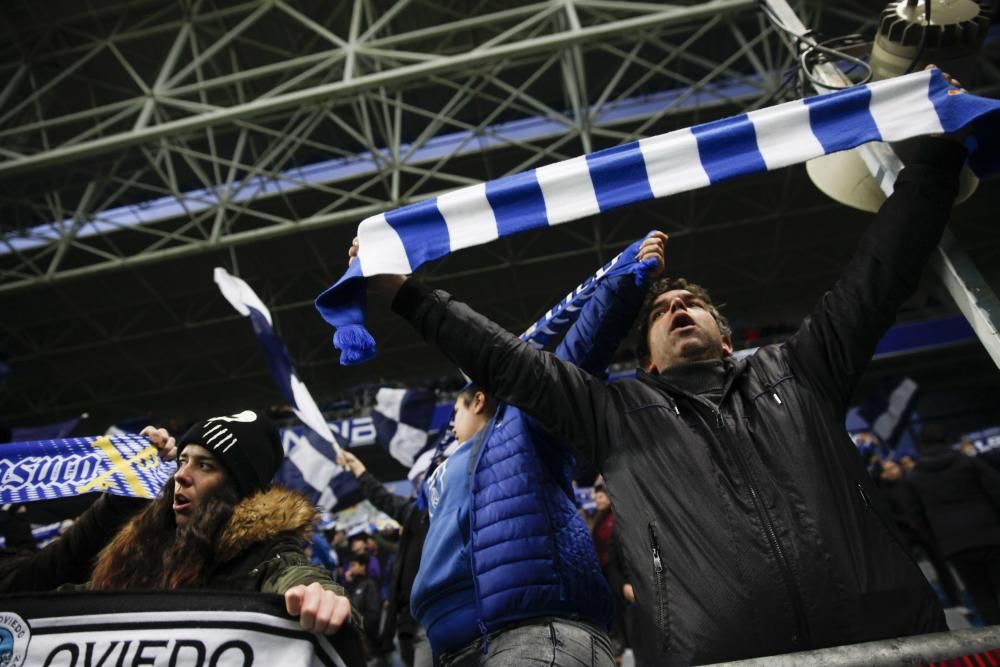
[(803, 638), (662, 620), (878, 518)]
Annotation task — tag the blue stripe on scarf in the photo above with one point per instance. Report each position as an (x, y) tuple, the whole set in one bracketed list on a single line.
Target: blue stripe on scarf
[(728, 148), (422, 229), (844, 124), (619, 176), (517, 203)]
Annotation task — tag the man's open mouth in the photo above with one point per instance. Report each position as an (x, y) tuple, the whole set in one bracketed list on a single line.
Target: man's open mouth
[(680, 321)]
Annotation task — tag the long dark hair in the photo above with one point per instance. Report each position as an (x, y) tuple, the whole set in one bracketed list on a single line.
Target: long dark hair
[(152, 551)]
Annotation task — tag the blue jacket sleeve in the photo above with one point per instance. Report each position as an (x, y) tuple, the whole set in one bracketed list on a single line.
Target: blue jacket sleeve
[(607, 316)]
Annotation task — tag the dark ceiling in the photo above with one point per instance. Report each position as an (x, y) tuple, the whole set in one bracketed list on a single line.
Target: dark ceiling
[(157, 338)]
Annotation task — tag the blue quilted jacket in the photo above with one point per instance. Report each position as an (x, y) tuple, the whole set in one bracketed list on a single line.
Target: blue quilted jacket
[(530, 552)]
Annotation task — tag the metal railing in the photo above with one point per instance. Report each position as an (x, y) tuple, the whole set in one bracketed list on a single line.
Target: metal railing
[(917, 650)]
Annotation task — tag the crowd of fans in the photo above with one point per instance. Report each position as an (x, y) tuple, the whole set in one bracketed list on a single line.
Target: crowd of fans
[(733, 517)]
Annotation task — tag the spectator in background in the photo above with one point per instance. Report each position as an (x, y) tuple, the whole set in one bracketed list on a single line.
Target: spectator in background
[(414, 649), (904, 505), (337, 537), (360, 544), (364, 598), (385, 550), (602, 531), (322, 554), (960, 498)]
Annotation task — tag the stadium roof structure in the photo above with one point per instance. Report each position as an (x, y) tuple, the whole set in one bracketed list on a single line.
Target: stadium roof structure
[(142, 143)]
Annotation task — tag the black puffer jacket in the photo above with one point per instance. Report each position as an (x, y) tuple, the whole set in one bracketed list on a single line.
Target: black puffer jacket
[(960, 496), (750, 529)]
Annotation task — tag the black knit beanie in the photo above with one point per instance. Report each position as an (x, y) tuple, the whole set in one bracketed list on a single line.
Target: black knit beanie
[(247, 444)]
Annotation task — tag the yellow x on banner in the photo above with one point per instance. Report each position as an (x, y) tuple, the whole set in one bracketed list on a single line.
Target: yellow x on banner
[(146, 458)]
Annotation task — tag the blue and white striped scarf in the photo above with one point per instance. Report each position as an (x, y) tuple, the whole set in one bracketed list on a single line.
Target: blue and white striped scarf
[(398, 241), (124, 465)]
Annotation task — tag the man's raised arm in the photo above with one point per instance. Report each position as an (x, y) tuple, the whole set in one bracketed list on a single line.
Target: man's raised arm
[(836, 343), (565, 400)]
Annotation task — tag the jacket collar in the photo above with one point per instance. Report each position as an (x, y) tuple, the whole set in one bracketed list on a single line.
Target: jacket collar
[(263, 516), (737, 367)]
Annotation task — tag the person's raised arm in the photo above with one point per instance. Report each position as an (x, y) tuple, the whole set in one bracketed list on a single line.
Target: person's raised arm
[(834, 345), (402, 510), (565, 400), (608, 315)]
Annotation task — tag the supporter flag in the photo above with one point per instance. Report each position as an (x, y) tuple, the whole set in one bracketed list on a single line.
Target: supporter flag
[(890, 414), (310, 465), (124, 465), (402, 420), (310, 468), (398, 241)]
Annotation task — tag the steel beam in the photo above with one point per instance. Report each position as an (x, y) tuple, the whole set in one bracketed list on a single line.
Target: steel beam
[(460, 62)]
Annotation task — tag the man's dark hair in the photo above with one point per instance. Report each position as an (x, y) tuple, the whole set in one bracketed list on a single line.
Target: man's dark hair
[(359, 558), (662, 286), (468, 393)]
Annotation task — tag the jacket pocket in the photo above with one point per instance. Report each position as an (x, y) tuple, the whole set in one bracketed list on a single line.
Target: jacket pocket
[(662, 610), (445, 567)]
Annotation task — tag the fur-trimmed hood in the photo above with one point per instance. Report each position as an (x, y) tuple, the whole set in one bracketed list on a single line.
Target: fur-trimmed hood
[(263, 516), (260, 521)]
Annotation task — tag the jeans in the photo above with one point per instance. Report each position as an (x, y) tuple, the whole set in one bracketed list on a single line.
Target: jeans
[(545, 641), (422, 654)]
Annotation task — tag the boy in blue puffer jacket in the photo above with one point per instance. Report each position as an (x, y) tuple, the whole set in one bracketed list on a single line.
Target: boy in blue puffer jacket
[(508, 571)]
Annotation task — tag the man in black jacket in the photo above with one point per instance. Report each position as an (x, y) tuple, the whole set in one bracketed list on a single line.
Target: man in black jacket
[(749, 525), (960, 499)]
